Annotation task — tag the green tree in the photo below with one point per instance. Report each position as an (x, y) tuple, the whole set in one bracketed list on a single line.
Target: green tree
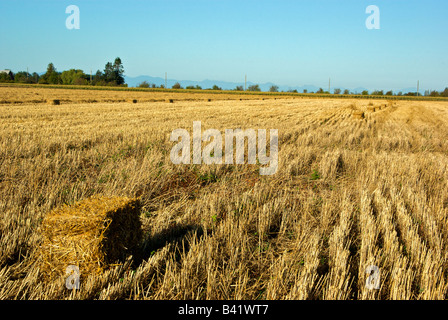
[(22, 77), (98, 78), (74, 76), (365, 93), (35, 77), (389, 93), (273, 88), (444, 93), (108, 72), (215, 87), (434, 93), (6, 77), (239, 88), (177, 86), (118, 71), (378, 93), (51, 76), (254, 87), (346, 91), (144, 84), (337, 91), (196, 87)]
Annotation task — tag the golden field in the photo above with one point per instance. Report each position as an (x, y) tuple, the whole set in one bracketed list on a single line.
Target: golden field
[(350, 192), (22, 94)]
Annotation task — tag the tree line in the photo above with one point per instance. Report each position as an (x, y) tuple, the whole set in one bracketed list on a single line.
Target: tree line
[(112, 75), (274, 88)]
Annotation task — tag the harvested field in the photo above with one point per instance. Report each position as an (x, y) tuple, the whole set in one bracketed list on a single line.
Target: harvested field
[(348, 195), (34, 94)]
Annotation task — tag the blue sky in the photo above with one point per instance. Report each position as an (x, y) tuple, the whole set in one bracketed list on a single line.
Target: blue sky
[(285, 42)]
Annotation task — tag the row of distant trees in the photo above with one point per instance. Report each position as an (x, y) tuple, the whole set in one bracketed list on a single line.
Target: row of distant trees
[(338, 91), (113, 75), (177, 85), (275, 88), (427, 93)]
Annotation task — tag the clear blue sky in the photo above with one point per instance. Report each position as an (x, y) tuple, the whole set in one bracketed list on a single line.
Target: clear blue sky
[(292, 43)]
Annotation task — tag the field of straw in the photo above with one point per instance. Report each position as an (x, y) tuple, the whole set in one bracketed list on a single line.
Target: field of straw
[(360, 183)]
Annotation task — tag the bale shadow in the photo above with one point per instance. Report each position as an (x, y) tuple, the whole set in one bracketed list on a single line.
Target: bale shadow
[(171, 235)]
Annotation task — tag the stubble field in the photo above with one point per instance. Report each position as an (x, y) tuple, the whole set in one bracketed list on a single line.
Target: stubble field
[(350, 192)]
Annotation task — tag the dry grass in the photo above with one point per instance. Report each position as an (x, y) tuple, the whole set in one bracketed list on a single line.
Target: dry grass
[(347, 194)]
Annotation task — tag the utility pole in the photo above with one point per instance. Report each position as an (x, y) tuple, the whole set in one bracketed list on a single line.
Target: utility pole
[(245, 82)]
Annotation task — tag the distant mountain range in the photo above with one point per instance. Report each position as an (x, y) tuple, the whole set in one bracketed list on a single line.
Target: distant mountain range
[(207, 84), (225, 85)]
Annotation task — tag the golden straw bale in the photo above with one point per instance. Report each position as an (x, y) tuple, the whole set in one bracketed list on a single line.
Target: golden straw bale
[(358, 115), (91, 234), (54, 102)]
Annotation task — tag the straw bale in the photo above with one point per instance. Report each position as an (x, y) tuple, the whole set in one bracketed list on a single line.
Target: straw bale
[(358, 115), (54, 102), (91, 234)]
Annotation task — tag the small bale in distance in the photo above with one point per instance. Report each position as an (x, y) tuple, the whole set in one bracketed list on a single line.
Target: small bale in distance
[(91, 234), (358, 115), (54, 102), (170, 100)]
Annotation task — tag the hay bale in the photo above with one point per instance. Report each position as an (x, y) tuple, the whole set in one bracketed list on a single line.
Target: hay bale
[(54, 102), (170, 100), (208, 100), (371, 109), (91, 234), (358, 115), (134, 100)]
